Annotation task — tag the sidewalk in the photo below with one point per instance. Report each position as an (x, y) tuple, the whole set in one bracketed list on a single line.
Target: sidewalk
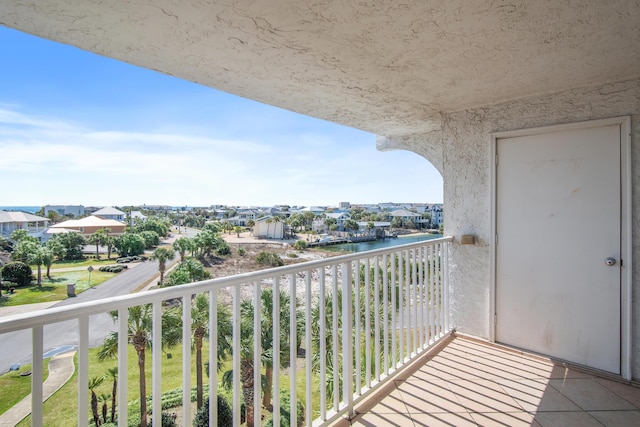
[(61, 369), (25, 308)]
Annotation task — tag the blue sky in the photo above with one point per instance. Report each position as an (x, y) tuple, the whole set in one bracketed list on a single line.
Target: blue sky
[(77, 128)]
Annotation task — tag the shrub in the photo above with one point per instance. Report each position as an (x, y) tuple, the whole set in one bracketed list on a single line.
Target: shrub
[(17, 272), (112, 268), (300, 244), (223, 249), (225, 414), (242, 251), (269, 258), (292, 255), (285, 405), (168, 420)]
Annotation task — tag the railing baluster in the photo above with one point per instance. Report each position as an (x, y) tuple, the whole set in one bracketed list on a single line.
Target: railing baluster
[(376, 321), (420, 284), (83, 371), (36, 375), (401, 311), (394, 305), (236, 356), (438, 294), (385, 317), (307, 353), (414, 291), (213, 358), (293, 354), (123, 371), (334, 332), (432, 330), (367, 323), (357, 316), (407, 284), (186, 360), (275, 321), (322, 304), (156, 359), (347, 335), (445, 281), (257, 351)]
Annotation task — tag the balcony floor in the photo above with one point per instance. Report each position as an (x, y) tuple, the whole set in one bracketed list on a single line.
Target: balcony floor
[(469, 383)]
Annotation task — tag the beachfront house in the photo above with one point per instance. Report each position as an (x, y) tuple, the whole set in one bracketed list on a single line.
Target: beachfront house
[(531, 113), (110, 212), (89, 225), (11, 221)]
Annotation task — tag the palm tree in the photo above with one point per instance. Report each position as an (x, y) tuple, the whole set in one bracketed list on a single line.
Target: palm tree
[(199, 328), (104, 398), (266, 339), (93, 384), (162, 255), (113, 374), (276, 220), (268, 221), (182, 245), (139, 335), (251, 223)]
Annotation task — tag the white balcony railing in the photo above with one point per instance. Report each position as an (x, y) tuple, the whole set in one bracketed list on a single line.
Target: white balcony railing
[(391, 306)]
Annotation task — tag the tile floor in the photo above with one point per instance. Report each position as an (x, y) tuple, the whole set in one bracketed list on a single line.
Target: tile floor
[(471, 383)]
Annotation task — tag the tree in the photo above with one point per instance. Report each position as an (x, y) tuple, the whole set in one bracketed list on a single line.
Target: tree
[(20, 234), (139, 335), (113, 374), (47, 260), (151, 239), (370, 226), (162, 255), (251, 223), (268, 221), (72, 242), (351, 225), (237, 230), (200, 331), (330, 222), (309, 217), (99, 238), (266, 339), (17, 272), (94, 383), (129, 244), (57, 248), (182, 245), (190, 270)]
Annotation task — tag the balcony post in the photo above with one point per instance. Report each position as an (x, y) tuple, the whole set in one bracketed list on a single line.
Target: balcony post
[(347, 336)]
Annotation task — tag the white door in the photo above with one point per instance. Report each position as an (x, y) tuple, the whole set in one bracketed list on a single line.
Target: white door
[(558, 219)]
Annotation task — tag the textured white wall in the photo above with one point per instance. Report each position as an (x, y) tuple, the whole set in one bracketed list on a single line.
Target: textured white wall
[(461, 151)]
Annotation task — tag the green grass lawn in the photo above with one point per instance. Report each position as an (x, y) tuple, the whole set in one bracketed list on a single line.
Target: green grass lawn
[(61, 409), (13, 387), (54, 289), (81, 263)]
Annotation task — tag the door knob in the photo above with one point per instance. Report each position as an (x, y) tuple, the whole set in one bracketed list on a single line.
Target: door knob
[(610, 261)]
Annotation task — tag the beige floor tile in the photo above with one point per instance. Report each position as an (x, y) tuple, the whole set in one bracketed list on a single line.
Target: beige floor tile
[(566, 419), (451, 370), (617, 418), (628, 392), (378, 420), (563, 372), (483, 396), (429, 397), (503, 419), (537, 396), (590, 395), (392, 403), (443, 420)]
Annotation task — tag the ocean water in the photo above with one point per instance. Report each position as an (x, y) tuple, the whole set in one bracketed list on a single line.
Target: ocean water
[(28, 209)]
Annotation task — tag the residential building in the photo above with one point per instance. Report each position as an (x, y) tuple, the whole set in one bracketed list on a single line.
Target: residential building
[(89, 225), (529, 110), (136, 216), (110, 213), (12, 221), (64, 210), (269, 227)]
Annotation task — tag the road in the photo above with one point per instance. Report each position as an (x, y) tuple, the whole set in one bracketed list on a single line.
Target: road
[(66, 333)]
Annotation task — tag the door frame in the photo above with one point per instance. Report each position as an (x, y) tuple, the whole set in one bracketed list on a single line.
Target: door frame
[(624, 124)]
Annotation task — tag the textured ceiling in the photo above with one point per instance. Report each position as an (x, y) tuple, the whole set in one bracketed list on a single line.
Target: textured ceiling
[(388, 67)]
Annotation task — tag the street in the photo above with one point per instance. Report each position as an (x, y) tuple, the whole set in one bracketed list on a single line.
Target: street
[(17, 344)]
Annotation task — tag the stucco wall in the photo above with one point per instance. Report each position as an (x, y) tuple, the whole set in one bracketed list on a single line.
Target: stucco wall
[(464, 144)]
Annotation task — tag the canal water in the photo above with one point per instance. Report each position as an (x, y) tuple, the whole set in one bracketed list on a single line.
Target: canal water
[(377, 244)]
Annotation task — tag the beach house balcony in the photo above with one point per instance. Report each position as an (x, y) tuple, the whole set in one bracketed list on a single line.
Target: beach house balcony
[(374, 344), (529, 110)]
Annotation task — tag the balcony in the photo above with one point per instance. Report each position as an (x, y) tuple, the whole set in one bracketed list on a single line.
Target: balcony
[(406, 364)]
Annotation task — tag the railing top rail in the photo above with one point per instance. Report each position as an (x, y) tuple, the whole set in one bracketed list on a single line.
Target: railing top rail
[(59, 314)]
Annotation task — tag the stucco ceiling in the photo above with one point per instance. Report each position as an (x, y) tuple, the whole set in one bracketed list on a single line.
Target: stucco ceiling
[(388, 67)]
